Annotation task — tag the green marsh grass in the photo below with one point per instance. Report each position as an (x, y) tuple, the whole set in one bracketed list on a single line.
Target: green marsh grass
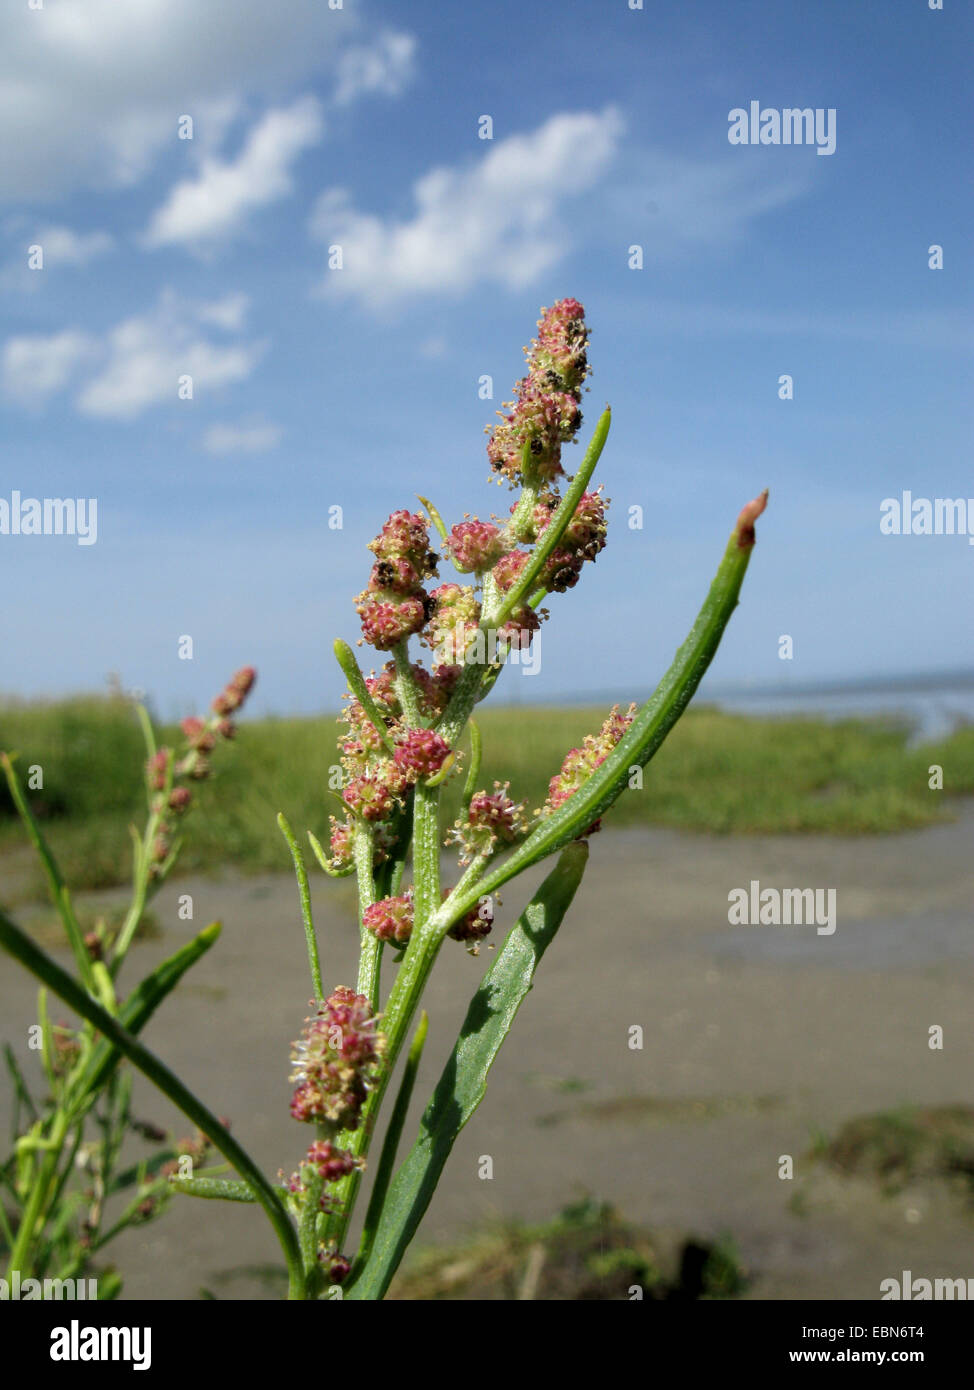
[(718, 773)]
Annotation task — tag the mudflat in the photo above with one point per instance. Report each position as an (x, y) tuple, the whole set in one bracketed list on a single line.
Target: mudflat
[(755, 1038)]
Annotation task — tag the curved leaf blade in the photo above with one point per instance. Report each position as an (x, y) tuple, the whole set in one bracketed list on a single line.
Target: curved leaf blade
[(650, 726), (463, 1083)]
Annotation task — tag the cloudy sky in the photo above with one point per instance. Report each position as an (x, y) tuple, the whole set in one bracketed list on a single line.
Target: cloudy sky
[(315, 387)]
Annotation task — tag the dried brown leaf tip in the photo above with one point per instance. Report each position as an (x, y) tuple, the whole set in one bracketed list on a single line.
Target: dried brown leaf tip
[(745, 522)]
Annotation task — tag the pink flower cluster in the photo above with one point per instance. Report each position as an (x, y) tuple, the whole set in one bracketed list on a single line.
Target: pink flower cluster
[(582, 539), (580, 763), (395, 604), (474, 546), (335, 1061), (546, 412), (377, 781), (524, 621), (391, 919), (164, 771), (492, 818), (474, 925), (329, 1164), (454, 615)]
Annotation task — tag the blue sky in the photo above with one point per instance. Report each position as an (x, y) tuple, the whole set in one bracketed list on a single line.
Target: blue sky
[(358, 388)]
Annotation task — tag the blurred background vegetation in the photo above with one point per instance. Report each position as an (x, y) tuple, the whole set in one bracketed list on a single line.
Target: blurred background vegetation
[(719, 773)]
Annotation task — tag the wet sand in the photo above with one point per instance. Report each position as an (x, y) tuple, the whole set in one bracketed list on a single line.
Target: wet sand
[(754, 1039)]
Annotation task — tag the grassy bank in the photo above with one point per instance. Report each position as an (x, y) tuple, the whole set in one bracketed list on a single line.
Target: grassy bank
[(717, 772)]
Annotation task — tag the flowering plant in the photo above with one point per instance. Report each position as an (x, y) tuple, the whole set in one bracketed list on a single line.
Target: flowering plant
[(66, 1168), (405, 731)]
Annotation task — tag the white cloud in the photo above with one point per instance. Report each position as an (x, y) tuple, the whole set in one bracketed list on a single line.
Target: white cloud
[(247, 437), (216, 202), (386, 66), (62, 246), (228, 312), (494, 220), (677, 204), (91, 90), (147, 355), (34, 366), (136, 364)]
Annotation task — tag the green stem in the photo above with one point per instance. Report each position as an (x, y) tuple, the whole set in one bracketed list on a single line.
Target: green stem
[(305, 894), (20, 946), (356, 684), (426, 804), (140, 894), (645, 735), (148, 733), (35, 1206), (370, 957), (404, 997), (56, 885), (553, 532), (473, 772), (390, 1143), (435, 517)]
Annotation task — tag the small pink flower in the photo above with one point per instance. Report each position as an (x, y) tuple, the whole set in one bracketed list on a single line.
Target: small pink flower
[(404, 537), (198, 735), (561, 571), (454, 615), (391, 919), (474, 925), (395, 576), (338, 1266), (388, 619), (374, 794), (341, 843), (491, 817), (580, 763), (497, 812), (520, 628), (330, 1162), (562, 342), (508, 569), (474, 545), (421, 753), (155, 769), (235, 692), (336, 1060)]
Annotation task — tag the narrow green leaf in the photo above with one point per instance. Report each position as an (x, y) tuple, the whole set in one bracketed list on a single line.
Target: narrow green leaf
[(21, 1090), (225, 1189), (322, 859), (464, 1081), (56, 885), (390, 1144), (649, 728), (435, 517), (19, 945), (473, 772), (555, 529), (356, 684), (141, 1004), (304, 893)]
